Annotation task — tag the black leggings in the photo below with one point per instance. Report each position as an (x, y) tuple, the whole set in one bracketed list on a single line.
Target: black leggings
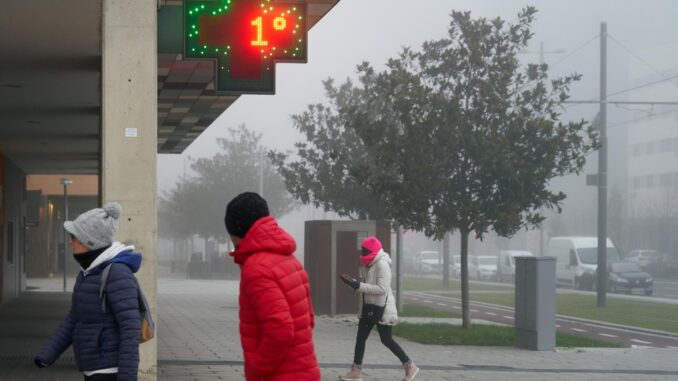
[(386, 335), (102, 377)]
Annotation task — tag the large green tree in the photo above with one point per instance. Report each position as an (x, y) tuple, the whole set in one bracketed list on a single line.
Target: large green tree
[(456, 136)]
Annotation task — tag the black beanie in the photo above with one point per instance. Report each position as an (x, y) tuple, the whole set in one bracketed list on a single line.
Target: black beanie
[(243, 211)]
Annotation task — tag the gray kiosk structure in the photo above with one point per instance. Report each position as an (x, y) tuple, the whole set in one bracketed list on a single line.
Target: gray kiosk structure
[(332, 248), (535, 303)]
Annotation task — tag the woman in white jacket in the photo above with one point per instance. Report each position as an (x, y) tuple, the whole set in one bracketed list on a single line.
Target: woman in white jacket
[(375, 289)]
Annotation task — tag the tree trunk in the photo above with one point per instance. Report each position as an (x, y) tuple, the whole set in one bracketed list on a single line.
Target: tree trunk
[(446, 261), (205, 255), (174, 253), (465, 313)]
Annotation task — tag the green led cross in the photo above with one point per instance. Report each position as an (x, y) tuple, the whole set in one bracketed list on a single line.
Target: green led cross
[(246, 38)]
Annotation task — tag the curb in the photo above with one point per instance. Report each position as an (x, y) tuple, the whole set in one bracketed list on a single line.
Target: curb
[(577, 319)]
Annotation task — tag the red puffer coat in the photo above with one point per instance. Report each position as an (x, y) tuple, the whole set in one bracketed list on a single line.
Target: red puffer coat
[(276, 315)]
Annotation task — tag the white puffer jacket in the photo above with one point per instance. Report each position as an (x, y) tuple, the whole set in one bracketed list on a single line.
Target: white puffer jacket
[(376, 285)]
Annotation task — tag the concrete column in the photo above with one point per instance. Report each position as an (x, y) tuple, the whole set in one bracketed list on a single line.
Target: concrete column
[(129, 137)]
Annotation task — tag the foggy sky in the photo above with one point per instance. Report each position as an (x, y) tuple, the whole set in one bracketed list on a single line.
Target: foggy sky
[(375, 30)]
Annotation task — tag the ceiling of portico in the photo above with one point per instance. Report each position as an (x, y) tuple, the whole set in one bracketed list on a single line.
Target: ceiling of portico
[(50, 85)]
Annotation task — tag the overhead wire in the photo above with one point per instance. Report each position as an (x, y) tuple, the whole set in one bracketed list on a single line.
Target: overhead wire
[(639, 58), (576, 50), (642, 118), (643, 85)]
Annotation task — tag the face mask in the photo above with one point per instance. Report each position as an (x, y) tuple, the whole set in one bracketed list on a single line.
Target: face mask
[(86, 259)]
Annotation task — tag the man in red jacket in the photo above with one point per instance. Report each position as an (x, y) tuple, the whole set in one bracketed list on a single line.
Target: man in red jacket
[(276, 315)]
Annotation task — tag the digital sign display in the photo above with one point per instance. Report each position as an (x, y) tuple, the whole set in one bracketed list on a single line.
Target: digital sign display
[(246, 38)]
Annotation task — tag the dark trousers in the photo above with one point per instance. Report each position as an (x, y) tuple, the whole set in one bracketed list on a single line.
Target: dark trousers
[(102, 377), (386, 336)]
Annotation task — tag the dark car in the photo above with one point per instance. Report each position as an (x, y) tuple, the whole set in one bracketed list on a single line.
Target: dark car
[(626, 276)]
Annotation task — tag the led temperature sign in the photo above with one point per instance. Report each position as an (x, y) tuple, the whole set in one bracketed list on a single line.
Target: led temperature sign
[(246, 38)]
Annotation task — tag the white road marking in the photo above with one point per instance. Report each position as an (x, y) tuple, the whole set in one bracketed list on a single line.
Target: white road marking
[(508, 317), (671, 346), (578, 330), (472, 310), (640, 341), (428, 301), (442, 304), (490, 313), (607, 335), (557, 325)]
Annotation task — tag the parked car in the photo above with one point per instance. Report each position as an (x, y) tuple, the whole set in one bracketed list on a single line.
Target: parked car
[(577, 260), (455, 267), (626, 276), (429, 261), (485, 267), (643, 257), (507, 264)]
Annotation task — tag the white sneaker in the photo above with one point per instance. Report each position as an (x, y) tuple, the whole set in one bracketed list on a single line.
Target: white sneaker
[(354, 375), (411, 371)]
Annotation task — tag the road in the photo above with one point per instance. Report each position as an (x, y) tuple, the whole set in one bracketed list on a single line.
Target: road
[(666, 289), (505, 315), (663, 288)]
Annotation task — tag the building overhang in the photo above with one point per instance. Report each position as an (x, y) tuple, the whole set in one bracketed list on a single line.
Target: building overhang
[(50, 84)]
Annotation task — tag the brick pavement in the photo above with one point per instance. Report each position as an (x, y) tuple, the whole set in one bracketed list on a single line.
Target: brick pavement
[(199, 341)]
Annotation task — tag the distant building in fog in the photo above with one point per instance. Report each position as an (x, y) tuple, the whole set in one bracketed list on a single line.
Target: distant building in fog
[(652, 189)]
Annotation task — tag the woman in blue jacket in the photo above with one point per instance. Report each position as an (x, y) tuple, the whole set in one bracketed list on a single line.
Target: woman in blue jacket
[(105, 338)]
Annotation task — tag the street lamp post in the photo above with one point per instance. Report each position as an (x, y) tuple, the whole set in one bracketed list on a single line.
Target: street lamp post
[(65, 182)]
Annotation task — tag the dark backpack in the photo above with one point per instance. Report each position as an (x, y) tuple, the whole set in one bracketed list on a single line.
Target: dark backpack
[(147, 324)]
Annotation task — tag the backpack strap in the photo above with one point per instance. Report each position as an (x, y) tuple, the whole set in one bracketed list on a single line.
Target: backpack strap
[(102, 287)]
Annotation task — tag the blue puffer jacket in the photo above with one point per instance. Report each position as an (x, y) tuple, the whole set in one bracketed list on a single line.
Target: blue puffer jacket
[(102, 340)]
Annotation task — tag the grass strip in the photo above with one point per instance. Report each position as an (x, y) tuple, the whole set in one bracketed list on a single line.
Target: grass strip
[(635, 313), (415, 283), (482, 335), (416, 310)]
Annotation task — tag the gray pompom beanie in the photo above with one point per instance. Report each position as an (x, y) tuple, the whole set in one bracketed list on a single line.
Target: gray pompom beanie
[(95, 228)]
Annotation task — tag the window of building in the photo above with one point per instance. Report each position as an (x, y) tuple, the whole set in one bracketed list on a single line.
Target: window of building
[(666, 145), (637, 182), (649, 181), (666, 179), (649, 148)]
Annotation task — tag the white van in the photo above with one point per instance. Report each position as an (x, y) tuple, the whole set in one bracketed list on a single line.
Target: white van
[(429, 261), (577, 260), (507, 264)]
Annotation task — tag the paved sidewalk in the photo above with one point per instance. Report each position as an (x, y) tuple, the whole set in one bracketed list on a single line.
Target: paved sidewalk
[(199, 341)]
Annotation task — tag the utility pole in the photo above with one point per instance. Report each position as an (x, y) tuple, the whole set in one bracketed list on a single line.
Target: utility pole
[(542, 52), (399, 269), (601, 179), (602, 174), (65, 182)]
